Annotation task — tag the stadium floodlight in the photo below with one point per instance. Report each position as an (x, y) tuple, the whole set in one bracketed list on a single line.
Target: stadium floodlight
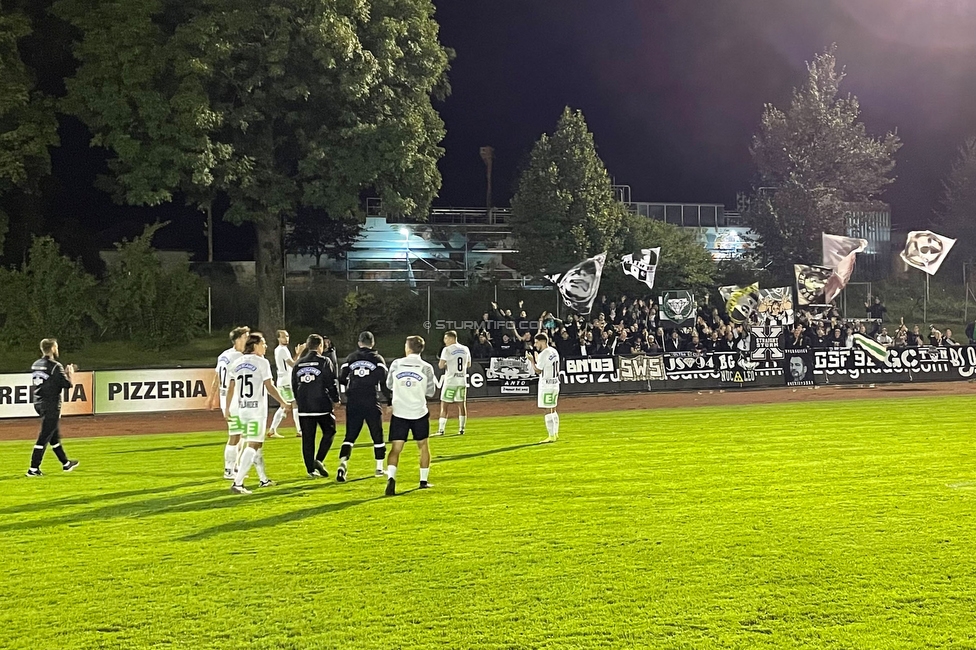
[(405, 232)]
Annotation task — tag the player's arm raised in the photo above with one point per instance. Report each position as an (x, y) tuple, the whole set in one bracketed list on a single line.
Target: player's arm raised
[(531, 358)]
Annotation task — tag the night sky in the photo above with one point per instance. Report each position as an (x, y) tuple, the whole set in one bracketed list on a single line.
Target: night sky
[(673, 91)]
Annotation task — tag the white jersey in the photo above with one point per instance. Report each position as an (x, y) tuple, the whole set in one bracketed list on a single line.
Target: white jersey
[(457, 357), (224, 363), (249, 374), (412, 381), (548, 362), (282, 356)]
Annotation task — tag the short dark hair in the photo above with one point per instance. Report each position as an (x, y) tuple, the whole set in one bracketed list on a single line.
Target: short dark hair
[(47, 345), (416, 344), (366, 338), (238, 332), (542, 336), (253, 340), (451, 333), (313, 342)]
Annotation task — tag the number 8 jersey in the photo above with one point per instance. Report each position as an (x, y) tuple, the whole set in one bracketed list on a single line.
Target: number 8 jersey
[(249, 374), (456, 357)]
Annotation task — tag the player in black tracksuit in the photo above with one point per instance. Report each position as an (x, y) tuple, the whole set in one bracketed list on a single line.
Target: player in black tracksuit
[(49, 379), (313, 380), (363, 371)]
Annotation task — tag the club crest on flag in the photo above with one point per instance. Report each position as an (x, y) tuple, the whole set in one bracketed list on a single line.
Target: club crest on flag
[(811, 282), (579, 285), (643, 269), (926, 250), (677, 307)]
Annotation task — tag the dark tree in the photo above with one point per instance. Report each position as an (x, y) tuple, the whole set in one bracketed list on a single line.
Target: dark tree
[(313, 233)]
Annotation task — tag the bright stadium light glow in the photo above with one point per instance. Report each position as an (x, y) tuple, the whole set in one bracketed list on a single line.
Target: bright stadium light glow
[(405, 232)]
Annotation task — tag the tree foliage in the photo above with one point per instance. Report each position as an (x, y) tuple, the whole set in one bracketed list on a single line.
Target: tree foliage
[(50, 295), (564, 209), (814, 159), (956, 215), (282, 106), (148, 303), (28, 126), (314, 233)]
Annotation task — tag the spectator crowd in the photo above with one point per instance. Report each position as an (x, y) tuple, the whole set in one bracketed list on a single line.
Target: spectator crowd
[(629, 325)]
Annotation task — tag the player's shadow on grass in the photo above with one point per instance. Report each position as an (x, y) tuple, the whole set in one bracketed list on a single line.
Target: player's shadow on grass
[(39, 506), (486, 452), (212, 499), (144, 450), (268, 522)]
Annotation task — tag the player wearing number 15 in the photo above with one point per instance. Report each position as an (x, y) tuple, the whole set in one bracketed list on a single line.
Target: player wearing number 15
[(250, 383), (455, 360), (545, 363), (218, 394)]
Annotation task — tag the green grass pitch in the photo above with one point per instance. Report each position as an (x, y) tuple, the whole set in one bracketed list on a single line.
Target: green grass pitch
[(828, 525)]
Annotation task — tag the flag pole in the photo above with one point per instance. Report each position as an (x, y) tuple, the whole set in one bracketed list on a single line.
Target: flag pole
[(925, 301)]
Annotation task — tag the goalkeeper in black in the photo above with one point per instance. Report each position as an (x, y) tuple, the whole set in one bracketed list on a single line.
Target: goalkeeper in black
[(362, 373), (313, 380)]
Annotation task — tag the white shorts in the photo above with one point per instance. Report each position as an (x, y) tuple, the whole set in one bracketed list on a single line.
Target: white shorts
[(453, 392), (286, 392), (250, 427), (548, 396)]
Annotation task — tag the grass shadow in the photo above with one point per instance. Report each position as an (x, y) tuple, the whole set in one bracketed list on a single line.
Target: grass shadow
[(93, 498), (267, 522), (211, 499), (172, 448), (487, 452)]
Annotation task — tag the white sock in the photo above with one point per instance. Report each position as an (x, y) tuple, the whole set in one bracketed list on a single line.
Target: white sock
[(441, 425), (391, 471), (240, 451), (278, 417), (461, 420), (549, 424), (379, 465), (424, 473), (230, 457), (555, 423), (259, 465), (247, 459)]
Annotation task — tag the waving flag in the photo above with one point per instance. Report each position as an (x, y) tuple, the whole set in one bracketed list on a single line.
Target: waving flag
[(740, 302), (579, 285), (839, 254), (811, 282), (872, 347), (643, 269), (925, 250)]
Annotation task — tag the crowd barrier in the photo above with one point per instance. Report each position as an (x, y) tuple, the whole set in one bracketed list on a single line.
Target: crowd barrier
[(150, 391)]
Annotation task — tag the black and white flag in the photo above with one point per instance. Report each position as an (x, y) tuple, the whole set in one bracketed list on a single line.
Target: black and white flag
[(925, 250), (643, 269), (811, 284), (579, 285)]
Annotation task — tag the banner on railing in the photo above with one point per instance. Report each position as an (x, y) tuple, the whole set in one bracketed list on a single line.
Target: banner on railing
[(147, 391), (17, 396), (719, 370), (855, 365)]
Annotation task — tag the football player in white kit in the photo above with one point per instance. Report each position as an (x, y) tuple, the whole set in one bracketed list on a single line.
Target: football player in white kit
[(455, 360), (284, 361), (218, 392), (545, 363), (250, 383)]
